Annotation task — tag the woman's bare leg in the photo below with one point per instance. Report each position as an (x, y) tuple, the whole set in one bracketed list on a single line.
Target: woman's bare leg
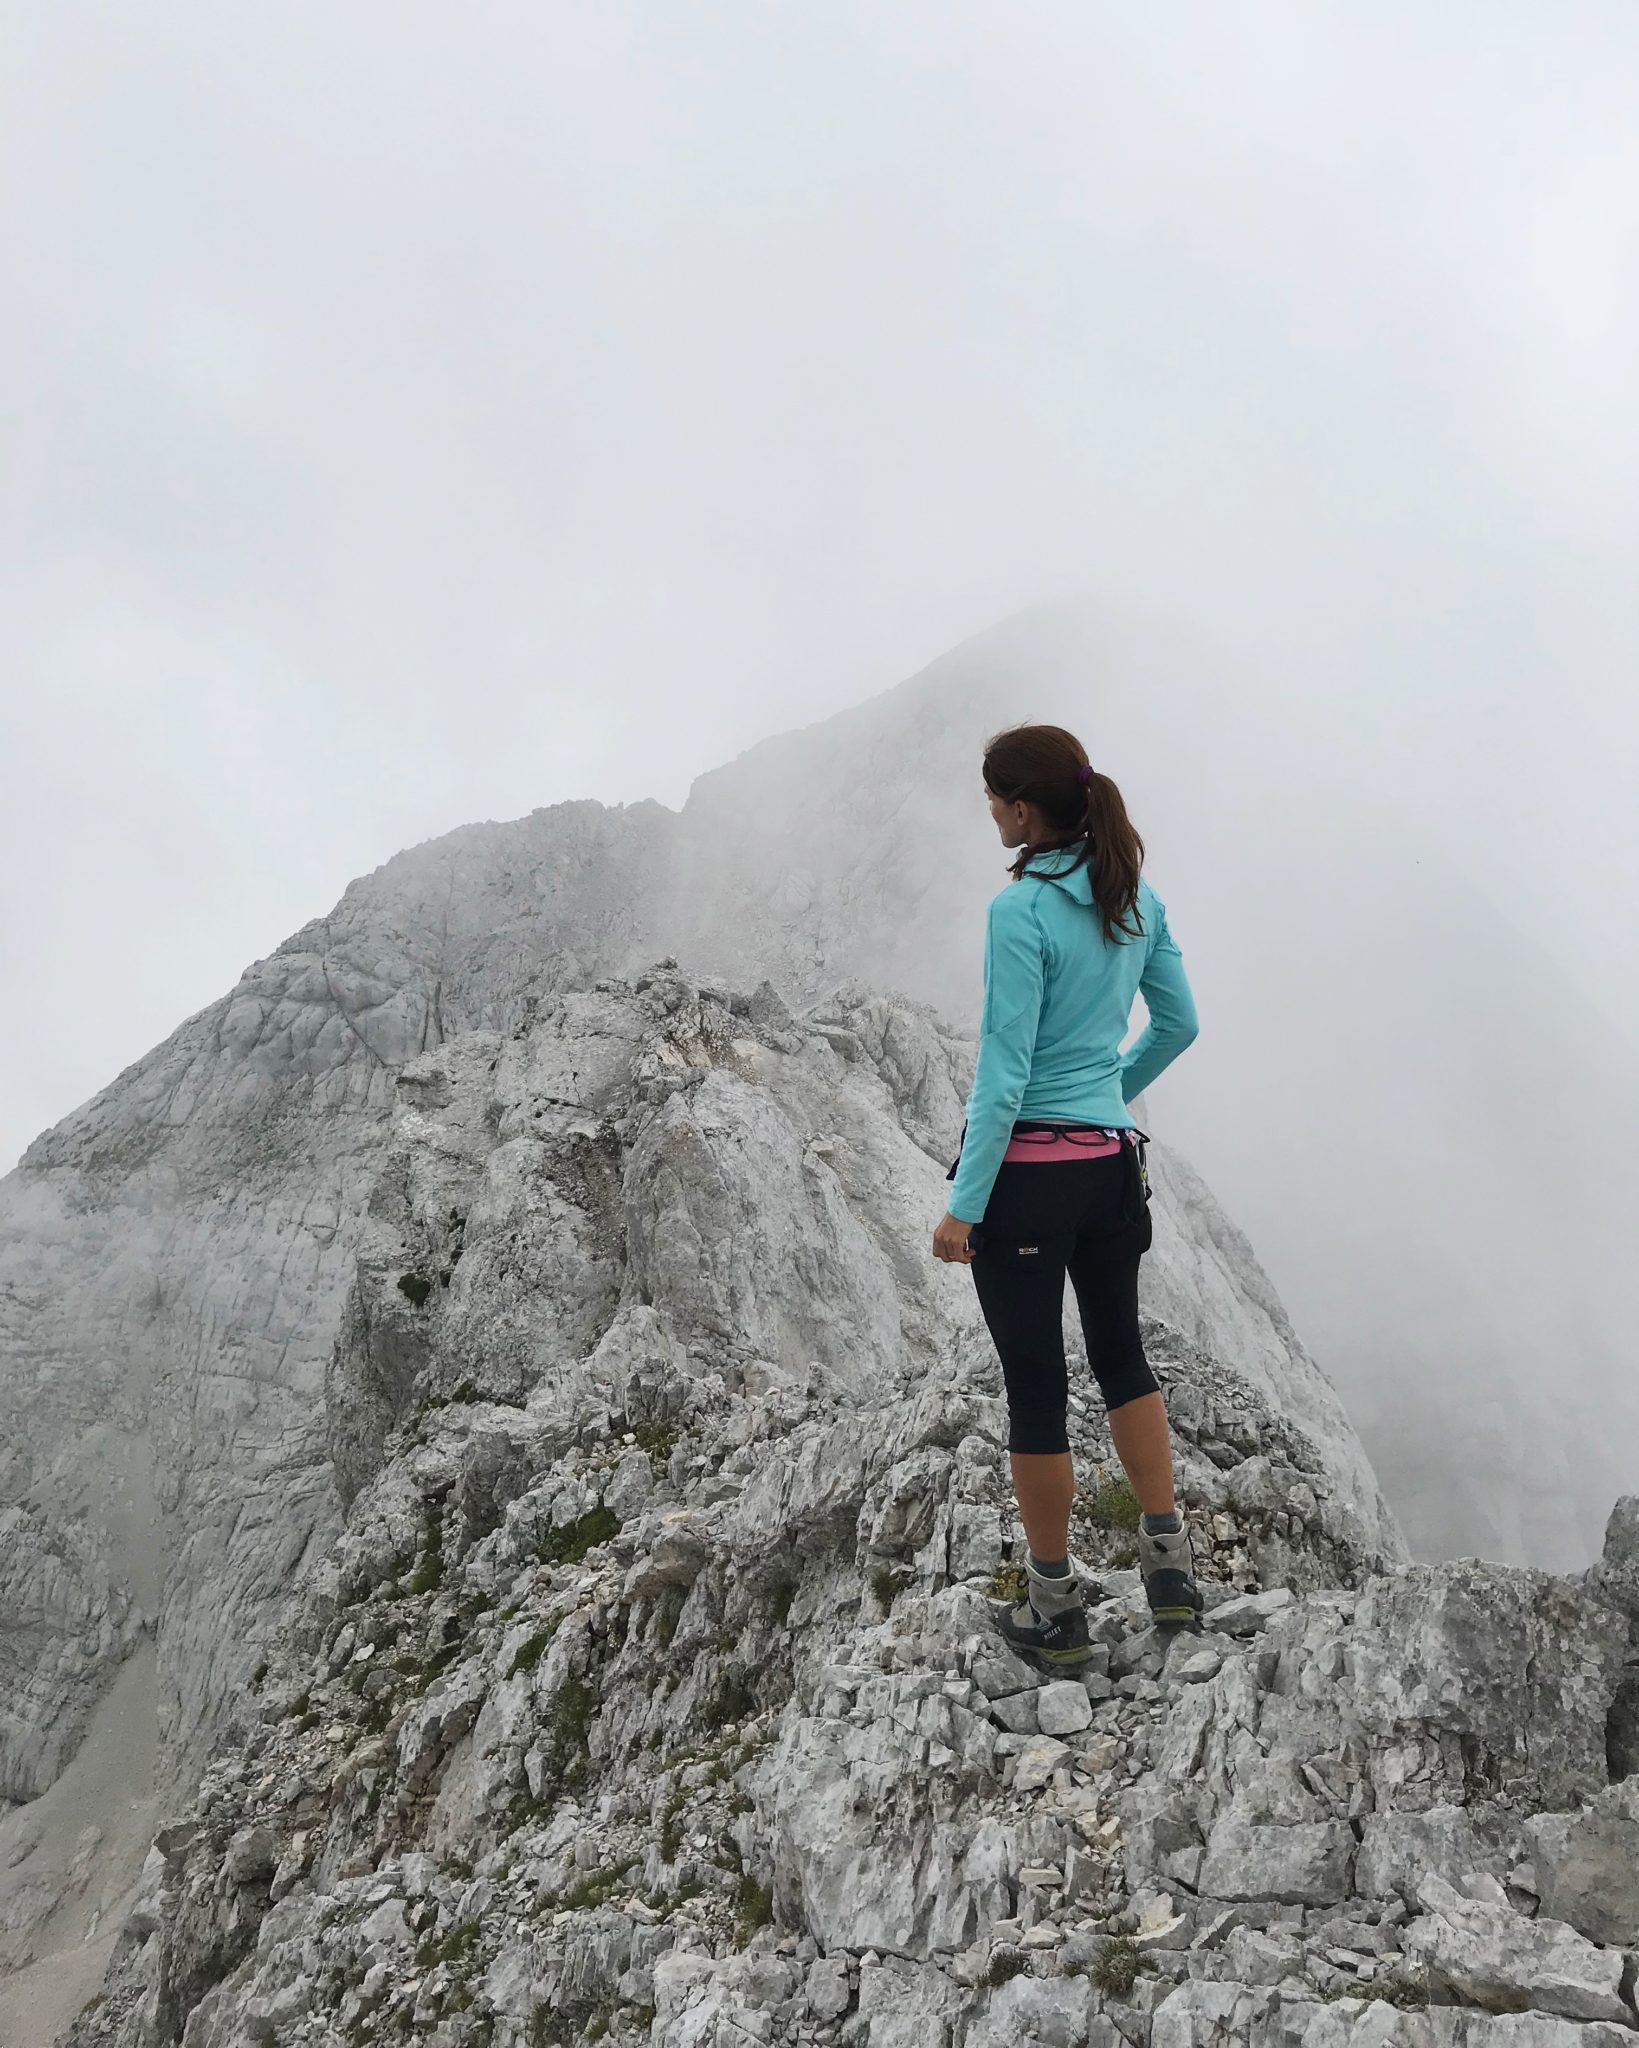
[(1045, 1487), (1143, 1443), (1045, 1482)]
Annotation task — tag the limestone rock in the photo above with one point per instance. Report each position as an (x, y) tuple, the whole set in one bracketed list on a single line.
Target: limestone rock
[(70, 1623), (1055, 2011), (1615, 1577), (1396, 1849), (1306, 1862), (650, 1677), (1585, 1865), (1063, 1708), (250, 1855), (1494, 1957)]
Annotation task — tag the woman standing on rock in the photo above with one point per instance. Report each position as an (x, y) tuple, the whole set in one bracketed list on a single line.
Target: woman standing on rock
[(1051, 1178)]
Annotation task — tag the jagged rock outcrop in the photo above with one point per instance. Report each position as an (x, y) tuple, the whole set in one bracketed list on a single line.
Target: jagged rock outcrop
[(763, 1185), (71, 1625), (189, 1245), (1614, 1576), (649, 1691), (174, 1255), (235, 1286), (669, 1785)]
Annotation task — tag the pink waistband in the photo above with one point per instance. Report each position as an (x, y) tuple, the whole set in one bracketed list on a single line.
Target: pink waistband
[(1048, 1145)]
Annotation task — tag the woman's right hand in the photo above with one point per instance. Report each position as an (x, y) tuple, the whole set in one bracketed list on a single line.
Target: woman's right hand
[(950, 1240)]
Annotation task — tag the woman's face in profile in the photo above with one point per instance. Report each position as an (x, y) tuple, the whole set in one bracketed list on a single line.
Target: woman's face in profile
[(1001, 812)]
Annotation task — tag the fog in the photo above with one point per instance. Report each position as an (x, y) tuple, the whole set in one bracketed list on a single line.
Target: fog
[(418, 417)]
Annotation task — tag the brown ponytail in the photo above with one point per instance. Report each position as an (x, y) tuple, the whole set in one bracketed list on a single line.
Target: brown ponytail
[(1041, 765)]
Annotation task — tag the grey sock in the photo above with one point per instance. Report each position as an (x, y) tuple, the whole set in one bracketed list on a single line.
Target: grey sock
[(1045, 1583), (1163, 1525)]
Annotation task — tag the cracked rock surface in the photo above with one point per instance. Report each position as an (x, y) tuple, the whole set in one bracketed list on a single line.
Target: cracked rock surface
[(647, 1689)]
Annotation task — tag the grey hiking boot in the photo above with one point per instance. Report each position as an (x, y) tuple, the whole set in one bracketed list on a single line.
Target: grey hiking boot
[(1167, 1562), (1053, 1634)]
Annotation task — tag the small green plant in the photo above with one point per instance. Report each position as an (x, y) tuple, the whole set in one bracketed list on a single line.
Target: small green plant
[(416, 1286), (1008, 1582), (1408, 1992), (1005, 1963), (887, 1585), (522, 1808), (560, 2026), (754, 1903), (668, 1612), (377, 1713), (430, 1569), (671, 1831), (568, 1724), (593, 1889), (440, 1660), (1123, 1556), (448, 1947), (659, 1439), (529, 1653), (1117, 1965), (570, 1544), (1112, 1504)]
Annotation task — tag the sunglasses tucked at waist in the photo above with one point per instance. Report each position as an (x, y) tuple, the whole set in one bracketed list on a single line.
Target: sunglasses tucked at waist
[(1066, 1141)]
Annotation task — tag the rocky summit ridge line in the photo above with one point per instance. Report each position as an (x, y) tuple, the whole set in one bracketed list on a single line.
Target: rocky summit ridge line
[(648, 1691)]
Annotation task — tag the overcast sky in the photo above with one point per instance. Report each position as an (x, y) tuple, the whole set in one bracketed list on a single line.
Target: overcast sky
[(417, 415)]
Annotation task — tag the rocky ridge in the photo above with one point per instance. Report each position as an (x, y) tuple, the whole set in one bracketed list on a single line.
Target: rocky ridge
[(186, 1246), (649, 1691)]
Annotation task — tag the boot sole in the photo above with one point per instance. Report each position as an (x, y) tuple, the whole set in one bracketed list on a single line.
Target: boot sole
[(1051, 1660)]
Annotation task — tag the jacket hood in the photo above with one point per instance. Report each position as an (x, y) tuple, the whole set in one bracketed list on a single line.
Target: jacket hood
[(1054, 865)]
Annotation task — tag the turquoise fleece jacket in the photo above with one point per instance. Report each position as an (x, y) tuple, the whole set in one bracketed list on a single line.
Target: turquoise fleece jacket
[(1057, 1000)]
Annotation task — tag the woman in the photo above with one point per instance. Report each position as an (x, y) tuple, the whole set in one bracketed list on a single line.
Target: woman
[(1051, 1176)]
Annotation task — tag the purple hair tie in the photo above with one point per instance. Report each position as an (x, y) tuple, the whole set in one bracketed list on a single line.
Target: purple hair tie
[(1085, 773)]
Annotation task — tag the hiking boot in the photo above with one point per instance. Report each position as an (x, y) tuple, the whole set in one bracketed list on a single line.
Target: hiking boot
[(1167, 1562), (1055, 1640)]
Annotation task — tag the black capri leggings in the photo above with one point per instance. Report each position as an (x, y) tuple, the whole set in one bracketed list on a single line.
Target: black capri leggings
[(1089, 1218)]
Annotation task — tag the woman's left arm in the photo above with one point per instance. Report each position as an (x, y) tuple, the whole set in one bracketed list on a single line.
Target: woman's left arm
[(1015, 977)]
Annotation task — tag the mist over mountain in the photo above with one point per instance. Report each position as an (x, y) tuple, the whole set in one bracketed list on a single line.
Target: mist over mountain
[(1396, 1084), (178, 1254)]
